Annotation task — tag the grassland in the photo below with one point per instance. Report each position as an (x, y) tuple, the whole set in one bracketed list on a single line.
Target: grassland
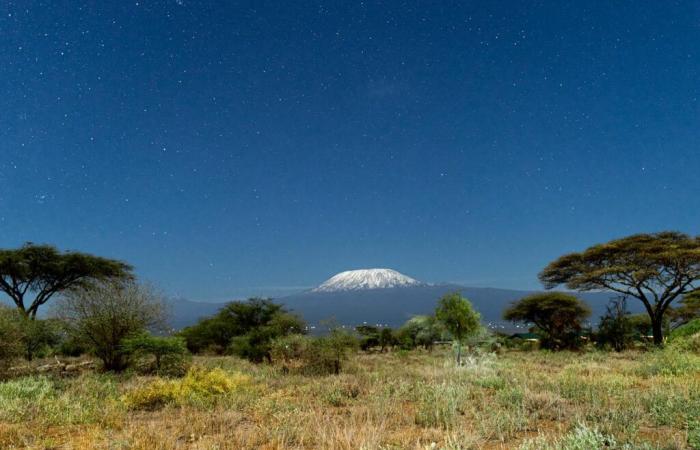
[(414, 400)]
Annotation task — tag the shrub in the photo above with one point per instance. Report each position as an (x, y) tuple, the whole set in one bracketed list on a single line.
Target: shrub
[(420, 331), (290, 351), (616, 330), (557, 316), (198, 386), (104, 314), (10, 337), (687, 344), (326, 354), (369, 336), (245, 329), (169, 354), (689, 329)]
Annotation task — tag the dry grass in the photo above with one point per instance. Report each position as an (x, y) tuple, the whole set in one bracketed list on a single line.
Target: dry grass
[(389, 401)]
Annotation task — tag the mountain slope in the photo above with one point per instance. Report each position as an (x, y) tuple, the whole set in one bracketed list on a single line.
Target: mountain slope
[(393, 307)]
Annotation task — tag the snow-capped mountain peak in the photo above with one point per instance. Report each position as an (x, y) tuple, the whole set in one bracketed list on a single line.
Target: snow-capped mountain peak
[(367, 279)]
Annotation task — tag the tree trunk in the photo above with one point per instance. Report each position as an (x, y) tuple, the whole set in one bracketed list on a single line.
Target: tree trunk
[(658, 329), (459, 353)]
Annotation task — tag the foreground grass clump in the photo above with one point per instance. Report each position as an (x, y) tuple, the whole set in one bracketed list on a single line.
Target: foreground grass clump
[(198, 386)]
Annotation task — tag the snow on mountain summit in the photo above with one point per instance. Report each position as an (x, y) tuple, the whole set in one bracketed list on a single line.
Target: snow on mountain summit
[(366, 279)]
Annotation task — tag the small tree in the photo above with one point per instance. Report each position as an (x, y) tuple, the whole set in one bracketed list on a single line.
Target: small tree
[(327, 353), (10, 337), (459, 318), (169, 353), (243, 328), (44, 271), (615, 328), (369, 336), (557, 316), (386, 338), (419, 331), (104, 314), (39, 335), (654, 268)]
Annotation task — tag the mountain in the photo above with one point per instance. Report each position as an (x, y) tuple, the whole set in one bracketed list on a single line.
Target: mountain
[(357, 280), (387, 297)]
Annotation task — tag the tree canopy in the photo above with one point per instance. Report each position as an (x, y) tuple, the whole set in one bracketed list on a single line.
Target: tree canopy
[(458, 317), (244, 328), (556, 315), (654, 268), (42, 270)]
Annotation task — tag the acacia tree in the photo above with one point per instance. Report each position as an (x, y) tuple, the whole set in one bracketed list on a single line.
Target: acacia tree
[(557, 315), (43, 271), (458, 317), (654, 268)]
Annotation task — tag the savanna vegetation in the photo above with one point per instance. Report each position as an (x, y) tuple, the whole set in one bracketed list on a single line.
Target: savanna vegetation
[(103, 370)]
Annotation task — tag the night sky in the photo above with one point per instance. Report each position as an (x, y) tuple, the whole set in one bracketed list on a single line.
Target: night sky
[(234, 148)]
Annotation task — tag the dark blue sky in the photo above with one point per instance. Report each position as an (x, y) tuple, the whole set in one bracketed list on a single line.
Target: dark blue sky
[(235, 148)]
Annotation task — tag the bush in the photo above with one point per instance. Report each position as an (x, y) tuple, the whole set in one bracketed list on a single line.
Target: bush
[(686, 338), (290, 351), (103, 314), (10, 337), (420, 331), (556, 316), (314, 356), (245, 329), (616, 330), (689, 329), (199, 386), (28, 337), (327, 354), (169, 355)]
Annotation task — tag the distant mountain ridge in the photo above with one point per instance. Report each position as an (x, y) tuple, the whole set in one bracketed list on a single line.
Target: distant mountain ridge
[(387, 297)]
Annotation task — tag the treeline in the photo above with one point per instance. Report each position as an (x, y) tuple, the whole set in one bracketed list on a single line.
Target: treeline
[(260, 330), (99, 308)]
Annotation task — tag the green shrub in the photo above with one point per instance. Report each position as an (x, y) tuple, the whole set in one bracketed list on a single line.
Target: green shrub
[(685, 331), (290, 351), (10, 337), (169, 355), (245, 329), (327, 354)]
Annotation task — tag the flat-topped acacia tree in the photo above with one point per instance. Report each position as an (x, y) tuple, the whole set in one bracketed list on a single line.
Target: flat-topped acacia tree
[(655, 268), (42, 271)]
